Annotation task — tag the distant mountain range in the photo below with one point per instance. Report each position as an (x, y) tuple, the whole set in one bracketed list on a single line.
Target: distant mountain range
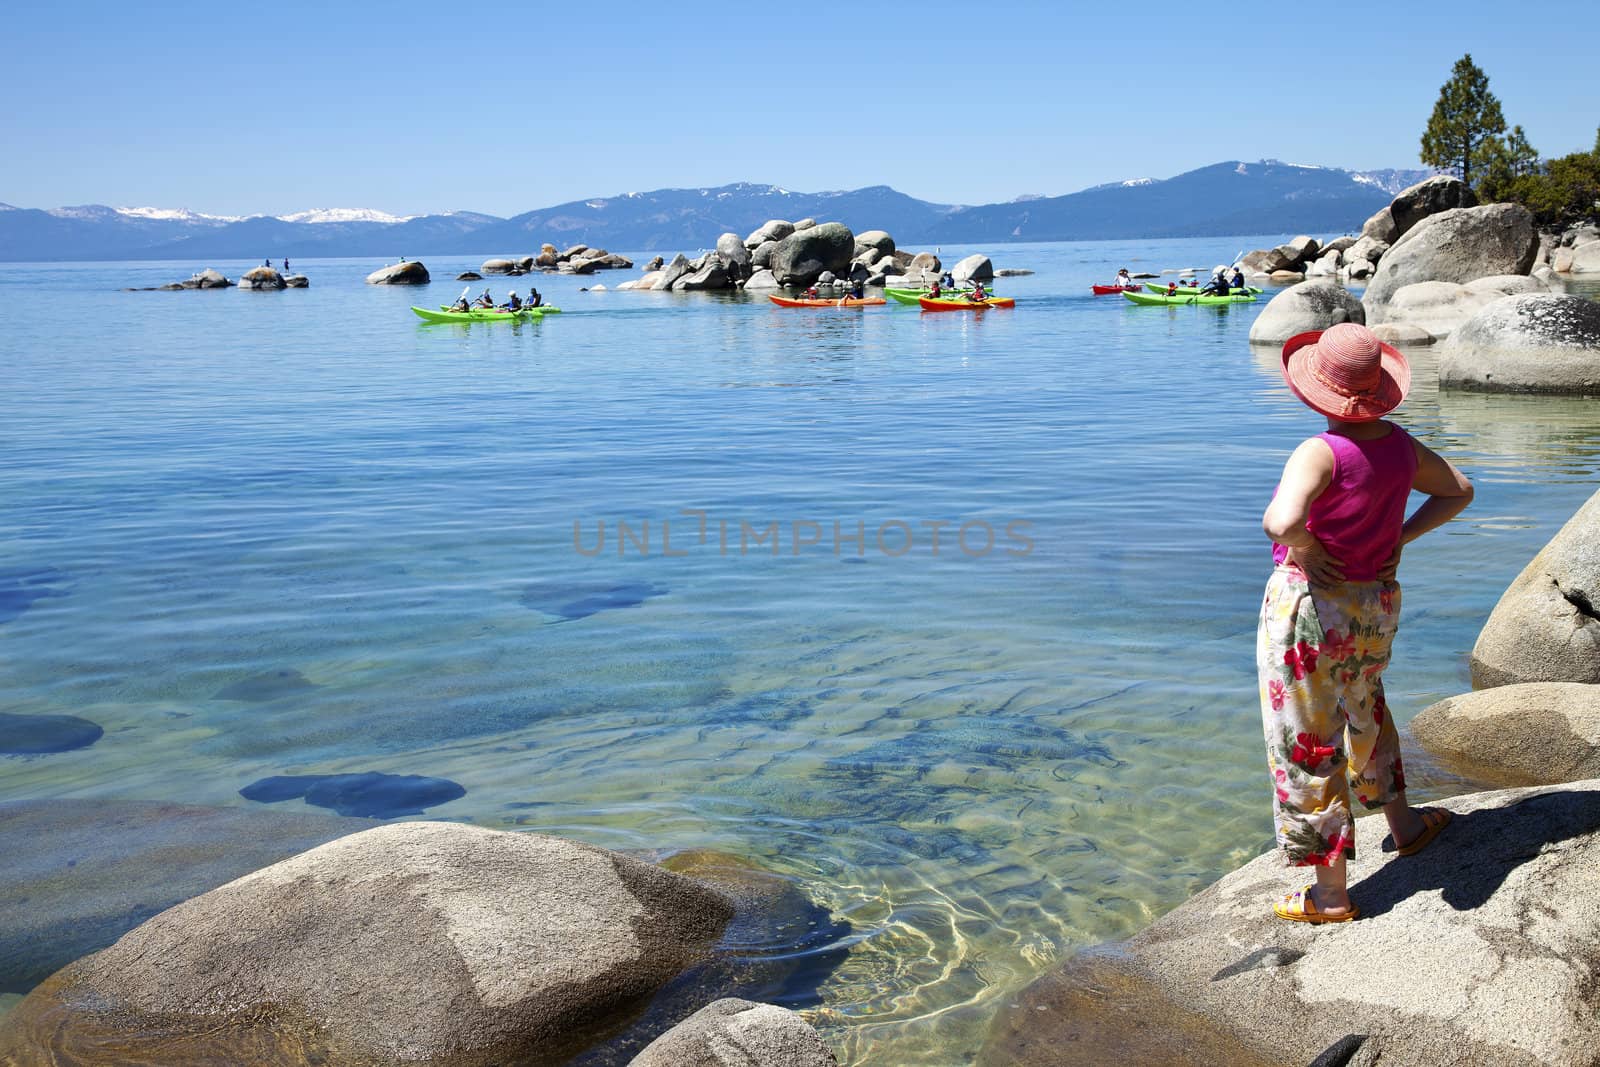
[(1225, 198)]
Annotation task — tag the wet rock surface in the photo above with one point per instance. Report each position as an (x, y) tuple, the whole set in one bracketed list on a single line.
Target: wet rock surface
[(1534, 733)]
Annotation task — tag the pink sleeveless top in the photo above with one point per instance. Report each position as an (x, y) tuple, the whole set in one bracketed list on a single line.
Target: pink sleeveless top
[(1358, 517)]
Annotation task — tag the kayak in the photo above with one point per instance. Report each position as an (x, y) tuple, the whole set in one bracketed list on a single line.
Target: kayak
[(542, 309), (476, 316), (1107, 290), (1148, 300), (967, 305), (1161, 290), (841, 302), (911, 296)]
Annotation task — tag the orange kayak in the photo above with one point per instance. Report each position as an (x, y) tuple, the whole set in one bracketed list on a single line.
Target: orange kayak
[(966, 305), (841, 302)]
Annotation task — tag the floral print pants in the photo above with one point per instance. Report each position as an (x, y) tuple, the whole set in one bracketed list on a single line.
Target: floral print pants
[(1320, 655)]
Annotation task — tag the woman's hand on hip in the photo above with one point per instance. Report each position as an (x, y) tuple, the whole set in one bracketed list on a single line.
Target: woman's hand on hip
[(1321, 567)]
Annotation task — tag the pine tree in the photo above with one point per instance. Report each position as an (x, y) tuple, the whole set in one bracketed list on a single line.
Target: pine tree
[(1465, 128)]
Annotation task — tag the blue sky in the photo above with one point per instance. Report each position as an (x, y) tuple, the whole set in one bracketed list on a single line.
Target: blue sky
[(422, 107)]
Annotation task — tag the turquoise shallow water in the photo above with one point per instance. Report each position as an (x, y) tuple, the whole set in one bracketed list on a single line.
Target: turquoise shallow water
[(298, 533)]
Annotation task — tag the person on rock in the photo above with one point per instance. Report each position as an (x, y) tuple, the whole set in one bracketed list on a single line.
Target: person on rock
[(1328, 618)]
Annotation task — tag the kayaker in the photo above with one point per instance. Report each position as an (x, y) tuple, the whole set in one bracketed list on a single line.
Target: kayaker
[(934, 290), (1172, 288), (1218, 285), (484, 301), (1124, 279), (858, 289), (979, 294), (461, 304), (534, 299), (1328, 619), (947, 280), (1237, 281), (513, 301)]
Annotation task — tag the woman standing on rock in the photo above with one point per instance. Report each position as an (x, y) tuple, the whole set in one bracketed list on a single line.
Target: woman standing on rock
[(1332, 607)]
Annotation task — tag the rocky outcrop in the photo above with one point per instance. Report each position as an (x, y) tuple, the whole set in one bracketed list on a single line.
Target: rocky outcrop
[(877, 242), (1402, 334), (1380, 227), (761, 279), (261, 278), (1441, 308), (654, 264), (1312, 305), (1480, 950), (1457, 245), (113, 864), (1585, 259), (296, 281), (205, 279), (498, 266), (406, 942), (646, 281), (1537, 733), (975, 268), (1546, 627), (469, 276), (923, 263), (1534, 343), (804, 255), (1442, 192), (804, 224), (738, 1033), (411, 273)]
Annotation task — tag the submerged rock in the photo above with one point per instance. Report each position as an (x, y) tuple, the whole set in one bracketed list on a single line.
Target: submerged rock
[(1546, 626), (268, 685), (738, 1033), (410, 942), (579, 600), (1537, 733), (23, 587), (371, 795), (1482, 949), (78, 874), (32, 735)]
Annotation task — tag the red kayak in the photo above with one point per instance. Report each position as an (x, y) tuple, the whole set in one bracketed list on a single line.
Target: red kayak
[(842, 302), (1107, 290)]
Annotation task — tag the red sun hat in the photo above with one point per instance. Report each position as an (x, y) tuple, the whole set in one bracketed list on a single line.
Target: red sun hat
[(1346, 373)]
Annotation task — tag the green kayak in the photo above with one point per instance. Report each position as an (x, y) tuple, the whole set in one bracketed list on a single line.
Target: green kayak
[(476, 316), (1148, 300), (1161, 290)]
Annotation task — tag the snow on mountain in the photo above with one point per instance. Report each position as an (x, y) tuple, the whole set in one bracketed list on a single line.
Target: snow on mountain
[(344, 214), (182, 214), (1137, 181)]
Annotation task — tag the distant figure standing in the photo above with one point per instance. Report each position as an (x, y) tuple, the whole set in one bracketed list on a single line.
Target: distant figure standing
[(286, 264), (1328, 619), (267, 263)]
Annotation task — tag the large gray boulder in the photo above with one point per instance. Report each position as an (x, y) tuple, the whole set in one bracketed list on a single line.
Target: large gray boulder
[(1480, 950), (1312, 305), (923, 263), (210, 278), (1368, 248), (761, 279), (735, 256), (1454, 246), (712, 273), (1546, 627), (1380, 227), (111, 865), (1442, 192), (261, 278), (772, 230), (804, 255), (1532, 343), (1585, 259), (410, 273), (878, 242), (975, 268), (1443, 307), (669, 274), (1537, 733), (501, 266), (412, 941), (738, 1033)]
